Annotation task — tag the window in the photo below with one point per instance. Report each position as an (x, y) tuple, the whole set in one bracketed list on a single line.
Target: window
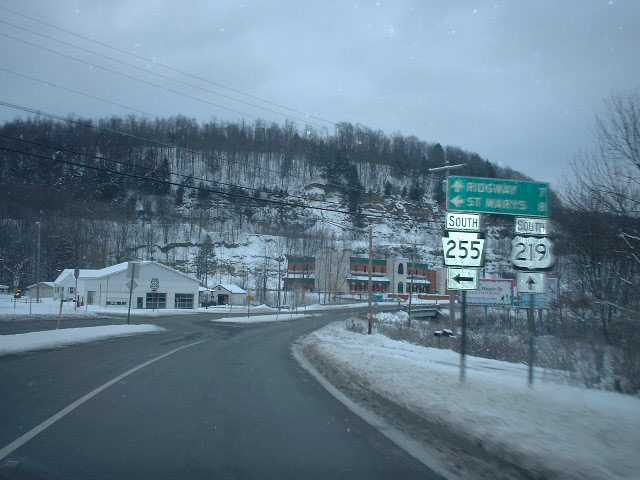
[(400, 269), (156, 300), (71, 289), (400, 287), (184, 300)]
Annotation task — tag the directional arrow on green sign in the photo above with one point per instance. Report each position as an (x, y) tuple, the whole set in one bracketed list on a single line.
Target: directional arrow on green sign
[(492, 195)]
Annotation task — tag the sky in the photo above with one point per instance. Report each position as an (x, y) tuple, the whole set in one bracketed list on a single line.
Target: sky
[(518, 82)]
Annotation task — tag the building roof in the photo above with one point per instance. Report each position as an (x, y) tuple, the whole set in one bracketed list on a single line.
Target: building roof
[(365, 278), (300, 258), (48, 284), (4, 286), (374, 261), (231, 288), (120, 267)]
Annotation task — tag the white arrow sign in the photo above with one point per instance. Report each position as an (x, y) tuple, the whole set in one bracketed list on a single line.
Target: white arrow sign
[(531, 282), (463, 249), (532, 253), (457, 201), (462, 279)]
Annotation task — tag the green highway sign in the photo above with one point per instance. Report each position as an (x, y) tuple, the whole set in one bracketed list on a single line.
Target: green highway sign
[(492, 195)]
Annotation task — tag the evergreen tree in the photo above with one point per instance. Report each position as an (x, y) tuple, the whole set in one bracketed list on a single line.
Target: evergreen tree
[(387, 188)]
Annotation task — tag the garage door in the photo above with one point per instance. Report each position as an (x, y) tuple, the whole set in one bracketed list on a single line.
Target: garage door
[(184, 300)]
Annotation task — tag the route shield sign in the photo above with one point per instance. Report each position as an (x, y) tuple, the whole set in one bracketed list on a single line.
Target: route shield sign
[(462, 278), (464, 249), (492, 195), (532, 253)]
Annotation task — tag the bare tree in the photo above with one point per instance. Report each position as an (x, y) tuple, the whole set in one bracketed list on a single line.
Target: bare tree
[(603, 222)]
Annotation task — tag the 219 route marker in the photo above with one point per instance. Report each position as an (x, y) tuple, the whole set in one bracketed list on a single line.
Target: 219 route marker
[(532, 253)]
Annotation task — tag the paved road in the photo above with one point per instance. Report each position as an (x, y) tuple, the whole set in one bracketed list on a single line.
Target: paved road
[(235, 406)]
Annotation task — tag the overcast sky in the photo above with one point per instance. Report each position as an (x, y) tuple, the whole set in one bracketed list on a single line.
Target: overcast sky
[(518, 82)]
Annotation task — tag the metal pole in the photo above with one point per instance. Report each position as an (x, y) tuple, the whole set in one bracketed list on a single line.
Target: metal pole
[(38, 266), (463, 342), (75, 294), (532, 351), (370, 326), (133, 272), (411, 277)]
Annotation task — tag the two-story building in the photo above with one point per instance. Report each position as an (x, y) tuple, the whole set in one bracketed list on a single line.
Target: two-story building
[(301, 273)]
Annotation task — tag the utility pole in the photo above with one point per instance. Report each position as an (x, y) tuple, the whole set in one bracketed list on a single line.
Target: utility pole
[(370, 327), (452, 295), (133, 274), (38, 266), (411, 277)]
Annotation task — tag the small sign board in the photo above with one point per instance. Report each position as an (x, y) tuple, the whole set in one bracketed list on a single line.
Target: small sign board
[(463, 249), (130, 287), (16, 280), (531, 282), (462, 278), (492, 292), (463, 222), (532, 253), (534, 300), (133, 270), (533, 226), (493, 195), (154, 284), (76, 273)]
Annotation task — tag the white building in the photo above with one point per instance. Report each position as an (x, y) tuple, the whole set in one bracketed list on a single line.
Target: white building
[(228, 294), (46, 290), (154, 286)]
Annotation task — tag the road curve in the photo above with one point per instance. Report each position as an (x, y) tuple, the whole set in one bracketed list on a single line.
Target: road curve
[(232, 407)]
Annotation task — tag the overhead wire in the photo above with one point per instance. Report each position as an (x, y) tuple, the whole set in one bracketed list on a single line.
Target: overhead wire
[(160, 144), (259, 201), (156, 142), (157, 170), (168, 67), (166, 77)]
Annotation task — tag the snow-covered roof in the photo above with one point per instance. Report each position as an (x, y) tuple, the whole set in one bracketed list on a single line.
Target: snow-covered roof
[(4, 286), (49, 284), (230, 288), (120, 267), (299, 275), (365, 278), (204, 289), (418, 281)]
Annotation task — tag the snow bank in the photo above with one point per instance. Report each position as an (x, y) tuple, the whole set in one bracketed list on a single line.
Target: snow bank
[(556, 431), (392, 317), (23, 342), (283, 317)]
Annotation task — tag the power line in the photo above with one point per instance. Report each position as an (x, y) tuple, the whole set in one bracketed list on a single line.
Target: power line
[(168, 182), (166, 77), (168, 67), (192, 187), (71, 90), (130, 77), (128, 164), (155, 142)]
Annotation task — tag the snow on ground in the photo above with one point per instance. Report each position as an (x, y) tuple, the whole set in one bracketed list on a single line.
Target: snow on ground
[(282, 317), (558, 431), (23, 342)]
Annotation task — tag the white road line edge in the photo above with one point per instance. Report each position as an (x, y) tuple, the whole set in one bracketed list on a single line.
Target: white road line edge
[(18, 442)]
